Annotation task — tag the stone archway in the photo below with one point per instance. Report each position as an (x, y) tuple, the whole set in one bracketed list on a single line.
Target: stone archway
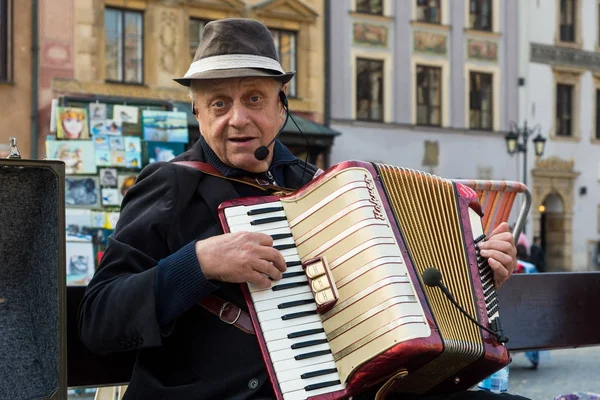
[(552, 196)]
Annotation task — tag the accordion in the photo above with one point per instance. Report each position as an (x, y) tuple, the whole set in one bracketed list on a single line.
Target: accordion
[(353, 309)]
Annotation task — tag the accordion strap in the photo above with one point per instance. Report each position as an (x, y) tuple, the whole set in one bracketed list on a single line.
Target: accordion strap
[(228, 313), (210, 170)]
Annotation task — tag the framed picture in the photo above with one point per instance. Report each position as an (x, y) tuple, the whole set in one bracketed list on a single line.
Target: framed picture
[(97, 111), (80, 263), (78, 155), (108, 177), (72, 123), (76, 221), (82, 191), (128, 114), (161, 151), (165, 126), (113, 127), (124, 182), (110, 197)]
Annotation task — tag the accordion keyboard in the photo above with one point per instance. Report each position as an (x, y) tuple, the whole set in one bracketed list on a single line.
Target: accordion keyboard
[(292, 329)]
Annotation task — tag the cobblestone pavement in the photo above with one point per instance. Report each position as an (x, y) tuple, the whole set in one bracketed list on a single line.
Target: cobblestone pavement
[(559, 372)]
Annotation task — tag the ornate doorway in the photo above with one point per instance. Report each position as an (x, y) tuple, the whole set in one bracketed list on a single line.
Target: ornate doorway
[(552, 210)]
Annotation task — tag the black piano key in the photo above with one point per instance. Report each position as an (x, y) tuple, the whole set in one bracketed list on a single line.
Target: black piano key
[(267, 220), (300, 314), (284, 246), (493, 310), (290, 285), (308, 343), (293, 263), (312, 354), (492, 304), (279, 236), (318, 373), (321, 385), (479, 238), (296, 303), (292, 274), (307, 332), (265, 210), (488, 291)]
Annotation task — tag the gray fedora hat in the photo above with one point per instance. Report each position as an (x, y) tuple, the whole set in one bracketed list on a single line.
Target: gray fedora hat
[(235, 48)]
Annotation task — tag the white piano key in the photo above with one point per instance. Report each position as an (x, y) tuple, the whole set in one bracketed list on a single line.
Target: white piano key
[(289, 252), (285, 331), (276, 294), (291, 375), (288, 240), (303, 394), (287, 365), (300, 384), (274, 324), (246, 219), (277, 313), (289, 354), (286, 343), (264, 228), (271, 304), (254, 288), (237, 210)]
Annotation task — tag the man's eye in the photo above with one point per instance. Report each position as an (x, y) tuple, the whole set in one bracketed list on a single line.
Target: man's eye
[(254, 99), (219, 104)]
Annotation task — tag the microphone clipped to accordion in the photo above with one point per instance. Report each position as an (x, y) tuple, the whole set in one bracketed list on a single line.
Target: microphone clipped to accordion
[(362, 303)]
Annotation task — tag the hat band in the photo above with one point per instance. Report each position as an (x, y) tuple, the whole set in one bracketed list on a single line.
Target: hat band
[(232, 61)]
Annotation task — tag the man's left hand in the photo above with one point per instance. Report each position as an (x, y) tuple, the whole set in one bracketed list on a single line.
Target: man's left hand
[(501, 253)]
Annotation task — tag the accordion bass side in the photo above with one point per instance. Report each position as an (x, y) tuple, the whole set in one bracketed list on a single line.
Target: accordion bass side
[(352, 310)]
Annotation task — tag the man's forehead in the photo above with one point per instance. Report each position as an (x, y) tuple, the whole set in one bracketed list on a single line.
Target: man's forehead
[(216, 85)]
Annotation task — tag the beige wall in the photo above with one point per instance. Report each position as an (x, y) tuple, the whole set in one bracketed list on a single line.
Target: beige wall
[(166, 49), (15, 96)]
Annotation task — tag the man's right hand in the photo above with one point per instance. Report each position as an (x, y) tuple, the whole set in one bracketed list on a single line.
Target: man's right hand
[(240, 257)]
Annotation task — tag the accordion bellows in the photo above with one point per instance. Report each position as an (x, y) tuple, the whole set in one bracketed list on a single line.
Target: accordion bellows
[(372, 230), (32, 365)]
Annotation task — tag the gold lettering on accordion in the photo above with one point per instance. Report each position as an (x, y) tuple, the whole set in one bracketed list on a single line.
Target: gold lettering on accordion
[(377, 209), (321, 283)]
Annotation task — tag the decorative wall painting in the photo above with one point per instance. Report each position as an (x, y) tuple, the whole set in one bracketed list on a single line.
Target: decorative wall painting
[(165, 126), (162, 151), (80, 263), (126, 114), (113, 127), (110, 197), (82, 191), (482, 49), (72, 123), (428, 42), (374, 35), (78, 155)]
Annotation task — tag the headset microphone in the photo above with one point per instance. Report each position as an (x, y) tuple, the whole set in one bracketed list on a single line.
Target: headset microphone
[(263, 151)]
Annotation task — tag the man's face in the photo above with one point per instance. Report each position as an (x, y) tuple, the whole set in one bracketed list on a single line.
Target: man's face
[(238, 115)]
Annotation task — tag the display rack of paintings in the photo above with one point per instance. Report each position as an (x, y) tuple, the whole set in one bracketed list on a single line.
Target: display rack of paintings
[(104, 145)]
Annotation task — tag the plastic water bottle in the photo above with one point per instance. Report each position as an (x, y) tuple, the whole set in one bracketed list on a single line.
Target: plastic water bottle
[(497, 382)]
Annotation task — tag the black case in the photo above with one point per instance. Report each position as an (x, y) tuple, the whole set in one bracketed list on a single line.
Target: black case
[(33, 351)]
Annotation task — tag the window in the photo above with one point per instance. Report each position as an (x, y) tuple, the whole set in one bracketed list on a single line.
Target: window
[(568, 10), (480, 15), (481, 110), (429, 11), (369, 89), (429, 95), (124, 46), (370, 6), (285, 43), (196, 28), (5, 40), (597, 114), (564, 110)]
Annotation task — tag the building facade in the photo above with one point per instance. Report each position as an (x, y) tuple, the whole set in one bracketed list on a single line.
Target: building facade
[(129, 51), (425, 84), (560, 63), (17, 52)]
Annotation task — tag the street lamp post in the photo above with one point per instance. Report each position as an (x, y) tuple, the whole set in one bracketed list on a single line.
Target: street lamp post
[(517, 139)]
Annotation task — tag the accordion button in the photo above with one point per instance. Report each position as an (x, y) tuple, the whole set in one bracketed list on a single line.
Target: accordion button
[(253, 384)]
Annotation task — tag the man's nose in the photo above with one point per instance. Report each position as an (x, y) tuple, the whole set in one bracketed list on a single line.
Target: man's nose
[(239, 115)]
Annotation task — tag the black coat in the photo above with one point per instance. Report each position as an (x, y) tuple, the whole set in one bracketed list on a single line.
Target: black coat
[(198, 356)]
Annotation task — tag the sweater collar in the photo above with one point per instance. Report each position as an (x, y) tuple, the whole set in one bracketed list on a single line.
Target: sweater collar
[(281, 156)]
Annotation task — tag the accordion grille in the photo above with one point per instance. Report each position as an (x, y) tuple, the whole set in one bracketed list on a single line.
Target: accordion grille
[(428, 216)]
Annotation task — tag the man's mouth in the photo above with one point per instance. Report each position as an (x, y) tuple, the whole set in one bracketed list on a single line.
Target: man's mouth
[(241, 139)]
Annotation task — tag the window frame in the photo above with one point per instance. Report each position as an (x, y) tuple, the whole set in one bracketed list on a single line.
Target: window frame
[(123, 12), (597, 136), (427, 21), (381, 91), (480, 126), (6, 37), (292, 91), (429, 107), (202, 20), (490, 16), (369, 9)]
